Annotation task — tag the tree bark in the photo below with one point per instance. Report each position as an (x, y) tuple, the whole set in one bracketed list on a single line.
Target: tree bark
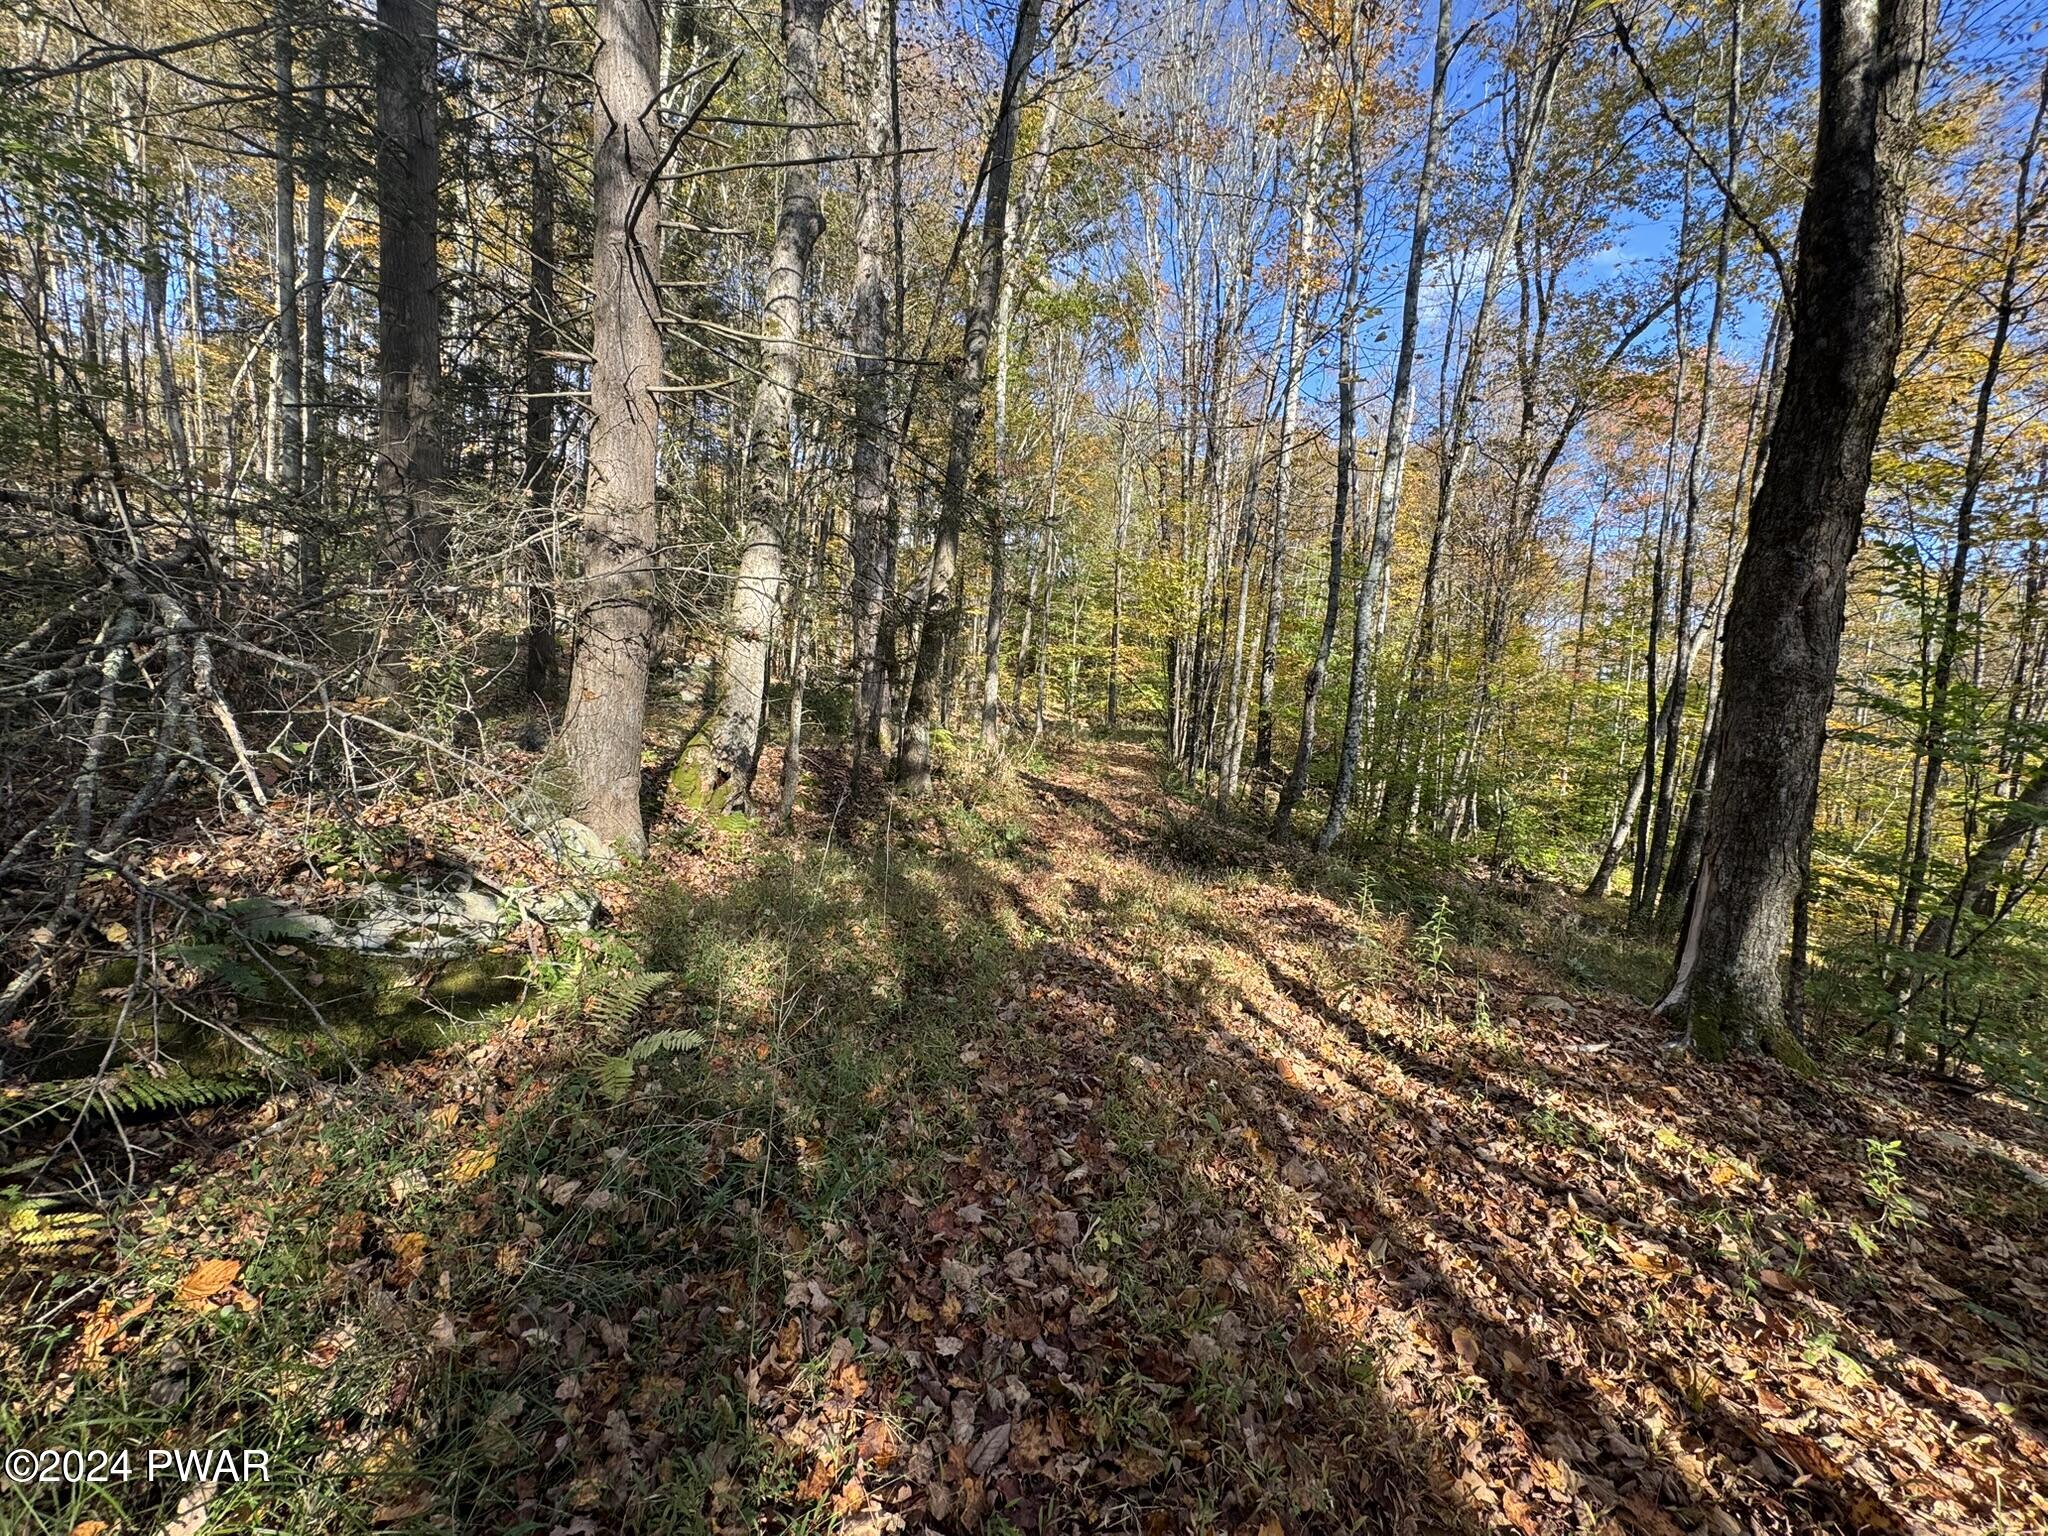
[(942, 599), (538, 477), (1385, 501), (874, 460), (757, 592), (408, 290), (604, 725), (1935, 735), (1785, 618)]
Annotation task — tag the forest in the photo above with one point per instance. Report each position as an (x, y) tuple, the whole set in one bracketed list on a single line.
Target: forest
[(1047, 766)]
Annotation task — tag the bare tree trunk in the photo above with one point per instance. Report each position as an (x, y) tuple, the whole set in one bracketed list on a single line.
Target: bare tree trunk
[(1460, 441), (1385, 502), (313, 395), (1290, 410), (1785, 618), (1934, 732), (1025, 213), (408, 289), (942, 600), (757, 592), (874, 459), (1647, 897), (603, 730), (1118, 535), (1333, 593), (538, 475), (291, 422), (800, 668)]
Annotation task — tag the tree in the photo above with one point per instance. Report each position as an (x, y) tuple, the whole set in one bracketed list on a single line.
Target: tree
[(1784, 626), (942, 598), (408, 286), (757, 590), (603, 727)]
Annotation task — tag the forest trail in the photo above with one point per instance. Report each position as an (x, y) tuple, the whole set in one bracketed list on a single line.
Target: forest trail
[(1061, 1160)]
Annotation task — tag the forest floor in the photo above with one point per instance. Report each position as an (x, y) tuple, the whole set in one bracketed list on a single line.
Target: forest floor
[(1057, 1159)]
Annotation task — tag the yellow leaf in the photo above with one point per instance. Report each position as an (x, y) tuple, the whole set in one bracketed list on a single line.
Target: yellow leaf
[(472, 1163), (445, 1115), (90, 1528), (207, 1280), (408, 1255), (117, 933)]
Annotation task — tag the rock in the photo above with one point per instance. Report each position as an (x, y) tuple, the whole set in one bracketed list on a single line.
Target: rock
[(579, 847), (1549, 1004)]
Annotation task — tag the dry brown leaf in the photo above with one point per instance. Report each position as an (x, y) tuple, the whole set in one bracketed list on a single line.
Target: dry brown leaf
[(1466, 1343), (208, 1279)]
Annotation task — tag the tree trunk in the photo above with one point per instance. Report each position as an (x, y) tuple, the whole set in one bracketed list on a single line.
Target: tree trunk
[(942, 600), (1785, 618), (538, 477), (1934, 737), (1290, 410), (757, 592), (874, 460), (1381, 510), (408, 290), (291, 423), (1025, 213), (602, 731), (313, 393)]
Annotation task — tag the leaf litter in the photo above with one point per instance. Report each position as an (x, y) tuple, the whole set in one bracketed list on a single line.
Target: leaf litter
[(1058, 1181)]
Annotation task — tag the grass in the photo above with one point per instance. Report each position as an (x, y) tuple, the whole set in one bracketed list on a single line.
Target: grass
[(1026, 1164)]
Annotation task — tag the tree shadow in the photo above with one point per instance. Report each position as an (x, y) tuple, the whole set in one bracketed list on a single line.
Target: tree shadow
[(1043, 1185)]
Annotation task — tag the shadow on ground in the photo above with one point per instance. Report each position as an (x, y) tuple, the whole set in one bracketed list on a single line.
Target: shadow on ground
[(1014, 1171)]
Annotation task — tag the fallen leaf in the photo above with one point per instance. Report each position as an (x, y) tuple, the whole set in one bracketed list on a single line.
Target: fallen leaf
[(207, 1280), (408, 1255), (472, 1163)]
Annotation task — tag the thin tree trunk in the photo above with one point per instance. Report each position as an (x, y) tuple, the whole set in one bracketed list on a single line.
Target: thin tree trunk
[(942, 601), (408, 290), (1385, 501), (874, 460), (1290, 410), (757, 591), (1935, 734), (285, 227), (1648, 896), (538, 476), (318, 422), (1025, 215)]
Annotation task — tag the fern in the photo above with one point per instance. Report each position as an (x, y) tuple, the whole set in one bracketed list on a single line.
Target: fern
[(122, 1095), (663, 1042), (619, 995), (225, 964), (615, 1073), (34, 1224), (614, 1078)]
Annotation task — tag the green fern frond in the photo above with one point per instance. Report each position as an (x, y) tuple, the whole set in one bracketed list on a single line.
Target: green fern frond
[(619, 995), (614, 1078), (662, 1042), (124, 1094)]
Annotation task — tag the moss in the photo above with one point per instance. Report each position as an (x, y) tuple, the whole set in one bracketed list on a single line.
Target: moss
[(686, 780), (1783, 1047), (1705, 1036)]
